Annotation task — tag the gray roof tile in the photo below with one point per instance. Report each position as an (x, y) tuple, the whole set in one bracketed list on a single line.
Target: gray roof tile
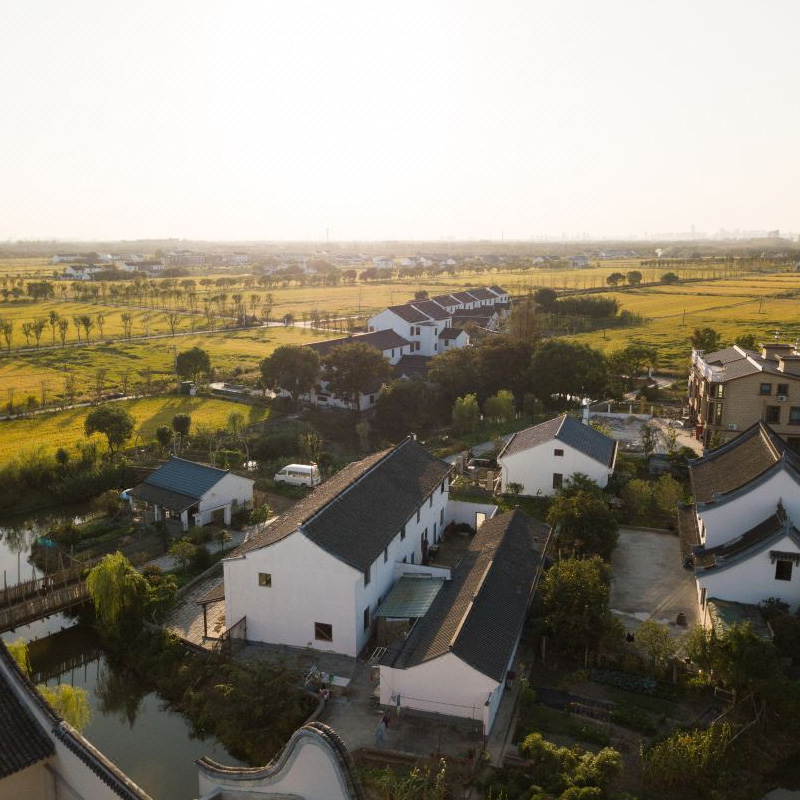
[(356, 514), (186, 477), (568, 430), (409, 313), (380, 340), (479, 614), (431, 309)]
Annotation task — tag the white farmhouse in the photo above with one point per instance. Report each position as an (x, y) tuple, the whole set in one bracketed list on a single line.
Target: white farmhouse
[(543, 457), (419, 322), (740, 535), (195, 494), (456, 658), (315, 577)]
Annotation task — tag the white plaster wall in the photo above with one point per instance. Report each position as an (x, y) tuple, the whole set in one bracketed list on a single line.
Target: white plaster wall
[(534, 468), (753, 580), (459, 511), (445, 685), (730, 519), (388, 320), (308, 586), (383, 572), (311, 773), (231, 487)]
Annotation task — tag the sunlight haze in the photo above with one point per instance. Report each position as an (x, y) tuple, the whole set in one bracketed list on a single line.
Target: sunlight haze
[(423, 120)]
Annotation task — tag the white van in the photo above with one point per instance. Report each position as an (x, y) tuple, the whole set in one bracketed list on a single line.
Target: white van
[(299, 475)]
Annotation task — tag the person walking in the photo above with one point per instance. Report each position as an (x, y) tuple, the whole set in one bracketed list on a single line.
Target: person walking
[(380, 733)]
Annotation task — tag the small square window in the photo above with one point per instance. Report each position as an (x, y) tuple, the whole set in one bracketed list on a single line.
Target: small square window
[(265, 579), (794, 415), (783, 388), (558, 480), (773, 414), (558, 452), (783, 570), (323, 632), (765, 388)]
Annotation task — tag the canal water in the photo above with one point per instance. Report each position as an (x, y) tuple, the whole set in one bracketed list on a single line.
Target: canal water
[(131, 724)]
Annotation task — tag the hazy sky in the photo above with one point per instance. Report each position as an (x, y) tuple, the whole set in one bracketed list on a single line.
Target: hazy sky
[(277, 120)]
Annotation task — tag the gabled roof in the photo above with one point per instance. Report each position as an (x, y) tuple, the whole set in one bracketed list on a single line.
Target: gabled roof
[(478, 615), (413, 365), (571, 432), (464, 297), (758, 538), (356, 514), (450, 333), (499, 290), (483, 294), (445, 300), (483, 312), (380, 340), (431, 309), (409, 313), (187, 478), (739, 462)]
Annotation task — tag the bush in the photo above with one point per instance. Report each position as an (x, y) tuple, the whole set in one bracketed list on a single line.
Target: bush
[(633, 717), (201, 559), (107, 503), (589, 733)]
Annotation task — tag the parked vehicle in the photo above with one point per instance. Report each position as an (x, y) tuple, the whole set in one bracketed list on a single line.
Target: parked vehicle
[(477, 464), (298, 475)]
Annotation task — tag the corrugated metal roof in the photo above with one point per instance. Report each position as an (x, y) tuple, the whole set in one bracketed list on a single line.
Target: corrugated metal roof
[(411, 597), (186, 477)]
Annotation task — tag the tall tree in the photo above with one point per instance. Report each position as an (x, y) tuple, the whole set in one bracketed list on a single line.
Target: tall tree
[(631, 361), (455, 373), (352, 369), (706, 339), (561, 369), (291, 368), (115, 423), (116, 588), (582, 520), (503, 363), (192, 364)]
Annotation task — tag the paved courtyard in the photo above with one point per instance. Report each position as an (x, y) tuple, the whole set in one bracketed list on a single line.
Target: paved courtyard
[(649, 580)]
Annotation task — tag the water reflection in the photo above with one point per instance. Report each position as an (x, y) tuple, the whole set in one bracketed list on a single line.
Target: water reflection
[(132, 725)]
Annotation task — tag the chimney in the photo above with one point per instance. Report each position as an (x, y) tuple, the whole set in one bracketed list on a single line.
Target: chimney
[(772, 350), (789, 364)]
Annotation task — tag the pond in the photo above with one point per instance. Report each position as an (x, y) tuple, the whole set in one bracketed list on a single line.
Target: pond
[(130, 724), (17, 534)]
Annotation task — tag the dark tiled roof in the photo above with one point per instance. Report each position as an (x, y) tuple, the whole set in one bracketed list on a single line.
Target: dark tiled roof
[(568, 430), (738, 462), (413, 365), (409, 313), (464, 297), (478, 615), (445, 300), (186, 477), (450, 333), (431, 309), (499, 290), (155, 495), (23, 742), (356, 514), (380, 340), (484, 312), (757, 538), (483, 294)]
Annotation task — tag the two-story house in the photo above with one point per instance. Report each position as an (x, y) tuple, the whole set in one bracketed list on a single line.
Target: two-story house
[(315, 576), (739, 536), (731, 389)]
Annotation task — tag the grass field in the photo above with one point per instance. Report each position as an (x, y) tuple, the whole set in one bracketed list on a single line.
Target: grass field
[(26, 374), (65, 428), (756, 304)]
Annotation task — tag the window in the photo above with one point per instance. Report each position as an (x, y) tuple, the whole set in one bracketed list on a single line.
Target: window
[(773, 414), (367, 575), (412, 558), (402, 533), (794, 415), (794, 443), (430, 502), (441, 488), (558, 452), (558, 480), (265, 579), (783, 388), (385, 555), (323, 632), (417, 515), (366, 618), (372, 399), (766, 388), (441, 516), (783, 570)]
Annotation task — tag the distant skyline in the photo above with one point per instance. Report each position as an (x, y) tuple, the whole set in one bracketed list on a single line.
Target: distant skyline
[(427, 120)]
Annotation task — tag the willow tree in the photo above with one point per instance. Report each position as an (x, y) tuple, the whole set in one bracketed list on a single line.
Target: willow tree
[(115, 588)]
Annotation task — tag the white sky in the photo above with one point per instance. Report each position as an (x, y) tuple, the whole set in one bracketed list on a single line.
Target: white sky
[(414, 119)]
